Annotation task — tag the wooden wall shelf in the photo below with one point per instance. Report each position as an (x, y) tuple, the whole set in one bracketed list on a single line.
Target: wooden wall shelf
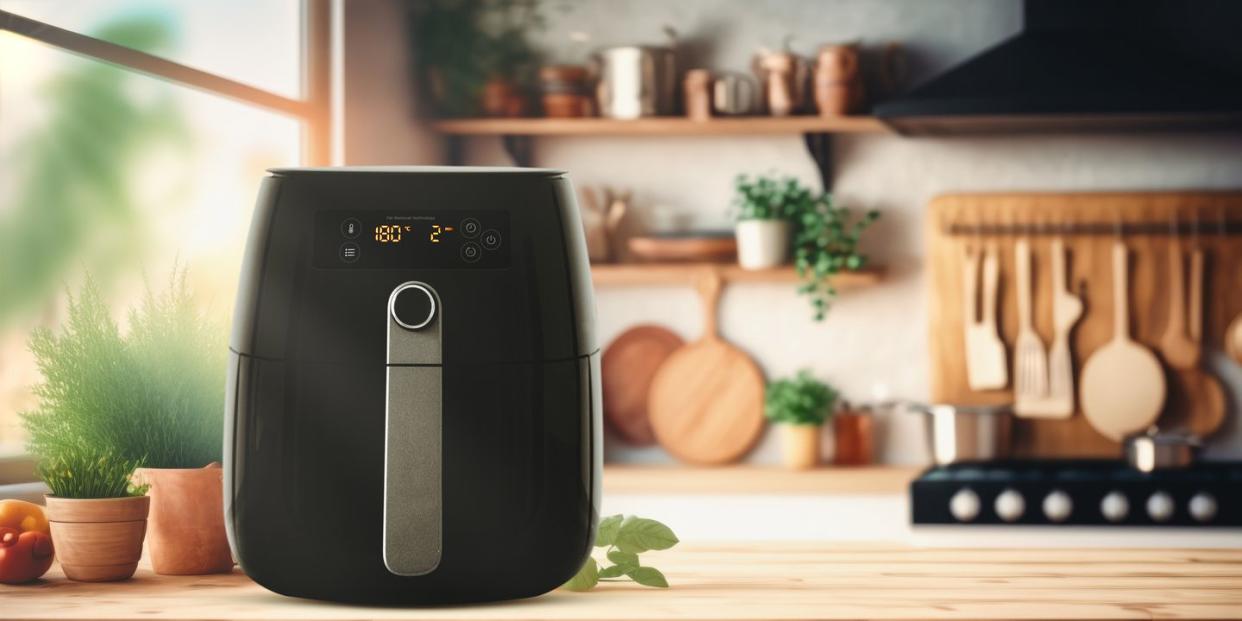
[(749, 479), (637, 274), (672, 126)]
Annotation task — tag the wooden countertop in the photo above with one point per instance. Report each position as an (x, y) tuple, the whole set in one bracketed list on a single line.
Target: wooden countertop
[(743, 582), (749, 479)]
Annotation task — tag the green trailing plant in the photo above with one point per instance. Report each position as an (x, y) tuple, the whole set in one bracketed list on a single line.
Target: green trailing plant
[(152, 398), (623, 539), (800, 400), (461, 44), (769, 198), (825, 237), (826, 241)]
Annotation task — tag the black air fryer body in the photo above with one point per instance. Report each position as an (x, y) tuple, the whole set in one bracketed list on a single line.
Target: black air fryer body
[(413, 409)]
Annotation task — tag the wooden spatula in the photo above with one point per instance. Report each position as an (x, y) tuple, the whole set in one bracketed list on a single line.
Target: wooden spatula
[(985, 352), (1066, 310), (1030, 359), (1123, 386)]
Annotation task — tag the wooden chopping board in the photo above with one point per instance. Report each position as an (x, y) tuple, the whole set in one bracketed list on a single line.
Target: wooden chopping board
[(629, 364), (706, 400)]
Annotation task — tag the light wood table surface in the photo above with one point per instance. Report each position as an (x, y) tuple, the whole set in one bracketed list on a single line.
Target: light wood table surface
[(744, 581)]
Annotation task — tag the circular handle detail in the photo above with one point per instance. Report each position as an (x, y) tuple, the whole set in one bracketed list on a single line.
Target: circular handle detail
[(412, 306)]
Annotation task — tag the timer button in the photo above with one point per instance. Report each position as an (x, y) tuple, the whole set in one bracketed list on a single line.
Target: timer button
[(412, 306), (470, 252), (491, 239), (470, 227), (351, 228), (349, 252)]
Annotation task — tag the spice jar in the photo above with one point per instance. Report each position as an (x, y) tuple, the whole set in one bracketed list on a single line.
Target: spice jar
[(697, 93), (565, 92), (853, 431)]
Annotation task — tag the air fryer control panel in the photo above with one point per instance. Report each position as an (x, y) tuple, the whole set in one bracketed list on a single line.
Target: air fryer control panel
[(411, 239)]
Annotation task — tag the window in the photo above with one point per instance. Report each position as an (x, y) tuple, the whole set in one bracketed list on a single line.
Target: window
[(133, 135)]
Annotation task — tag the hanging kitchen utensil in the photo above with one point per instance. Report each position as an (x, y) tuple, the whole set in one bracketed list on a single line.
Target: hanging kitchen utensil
[(706, 400), (1123, 386), (627, 367), (1030, 359), (1066, 311), (986, 368), (1179, 351), (1196, 401)]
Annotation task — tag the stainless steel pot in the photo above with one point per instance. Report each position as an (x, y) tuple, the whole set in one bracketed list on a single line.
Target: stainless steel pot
[(636, 81), (966, 433), (735, 94), (1151, 451)]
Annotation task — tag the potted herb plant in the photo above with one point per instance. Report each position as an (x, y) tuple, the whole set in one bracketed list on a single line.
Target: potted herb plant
[(799, 406), (762, 207), (151, 399), (97, 518)]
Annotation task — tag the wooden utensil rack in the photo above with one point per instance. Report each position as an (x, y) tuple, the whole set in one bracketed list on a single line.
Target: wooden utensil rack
[(1089, 224)]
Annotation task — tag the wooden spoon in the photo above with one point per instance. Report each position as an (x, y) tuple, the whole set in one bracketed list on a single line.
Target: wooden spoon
[(706, 400), (1123, 386), (1196, 401), (985, 352), (1180, 351)]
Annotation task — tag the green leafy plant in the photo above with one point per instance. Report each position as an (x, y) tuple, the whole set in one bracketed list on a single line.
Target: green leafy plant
[(623, 539), (83, 472), (152, 398), (826, 243), (800, 400), (461, 44), (769, 198)]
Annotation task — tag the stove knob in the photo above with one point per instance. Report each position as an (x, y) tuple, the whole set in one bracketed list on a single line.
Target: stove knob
[(964, 505), (1058, 506), (1203, 507), (1114, 506), (1160, 507), (1009, 505)]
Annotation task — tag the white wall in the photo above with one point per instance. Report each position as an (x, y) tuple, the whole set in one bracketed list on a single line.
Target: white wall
[(873, 339)]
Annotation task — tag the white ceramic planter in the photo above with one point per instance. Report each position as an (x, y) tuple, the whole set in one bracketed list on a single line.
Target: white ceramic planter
[(762, 244)]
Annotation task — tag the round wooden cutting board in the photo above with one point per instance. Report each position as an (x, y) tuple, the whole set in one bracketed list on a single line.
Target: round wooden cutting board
[(706, 400), (628, 365)]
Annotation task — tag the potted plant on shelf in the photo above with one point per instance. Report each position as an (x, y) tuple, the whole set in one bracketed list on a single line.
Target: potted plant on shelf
[(826, 241), (799, 406), (152, 399), (762, 207)]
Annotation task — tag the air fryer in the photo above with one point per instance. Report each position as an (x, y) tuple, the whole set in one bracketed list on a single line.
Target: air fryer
[(413, 407)]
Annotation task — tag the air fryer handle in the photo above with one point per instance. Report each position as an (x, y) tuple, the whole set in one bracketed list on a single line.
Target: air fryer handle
[(412, 470), (413, 463)]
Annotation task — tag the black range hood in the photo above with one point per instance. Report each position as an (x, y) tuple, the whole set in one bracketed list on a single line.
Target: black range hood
[(1091, 65)]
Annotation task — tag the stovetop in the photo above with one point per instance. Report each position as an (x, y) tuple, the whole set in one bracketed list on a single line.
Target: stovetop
[(1078, 492)]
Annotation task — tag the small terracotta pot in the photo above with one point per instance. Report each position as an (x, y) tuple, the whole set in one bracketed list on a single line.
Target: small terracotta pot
[(800, 445), (187, 535), (98, 539)]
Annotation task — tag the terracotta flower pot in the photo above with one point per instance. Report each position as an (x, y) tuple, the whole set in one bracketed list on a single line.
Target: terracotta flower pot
[(187, 534), (98, 539), (800, 445)]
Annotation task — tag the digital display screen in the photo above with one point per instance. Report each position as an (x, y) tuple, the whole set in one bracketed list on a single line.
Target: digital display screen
[(411, 239)]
